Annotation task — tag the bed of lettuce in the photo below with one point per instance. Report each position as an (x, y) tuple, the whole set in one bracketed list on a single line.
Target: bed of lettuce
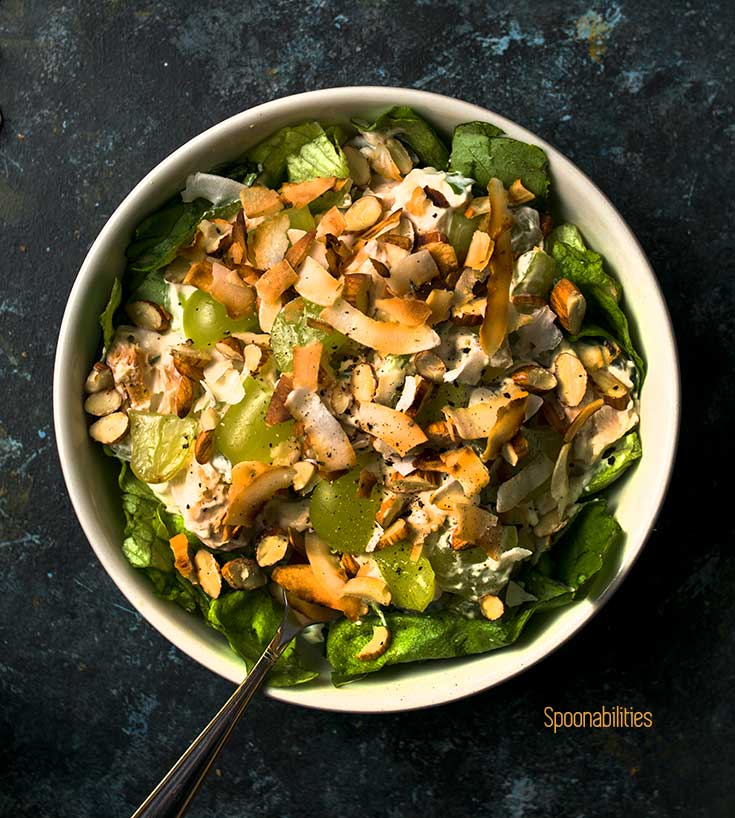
[(248, 619)]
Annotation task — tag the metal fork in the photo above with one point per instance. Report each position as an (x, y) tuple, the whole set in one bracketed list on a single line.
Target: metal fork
[(172, 797)]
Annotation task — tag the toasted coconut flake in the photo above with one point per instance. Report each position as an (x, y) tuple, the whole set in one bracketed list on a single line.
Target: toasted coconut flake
[(271, 548), (416, 481), (306, 361), (364, 213), (495, 324), (412, 271), (199, 275), (316, 284), (478, 420), (509, 420), (302, 581), (480, 251), (527, 303), (467, 469), (397, 240), (363, 383), (417, 202), (400, 155), (305, 471), (237, 249), (99, 378), (440, 304), (356, 290), (243, 574), (444, 255), (269, 241), (534, 379), (303, 193), (570, 306), (366, 481), (245, 501), (448, 497), (148, 315), (513, 491), (571, 377), (479, 206), (260, 201), (230, 290), (325, 564), (441, 433), (295, 255), (275, 281), (182, 561), (396, 429), (581, 418), (359, 168), (371, 589), (384, 336), (518, 194), (208, 573), (204, 446), (190, 361), (103, 403), (416, 391), (110, 429), (501, 218), (560, 477), (326, 436), (377, 646), (492, 606), (475, 527), (390, 508), (349, 565), (212, 234), (332, 223), (267, 312), (408, 311)]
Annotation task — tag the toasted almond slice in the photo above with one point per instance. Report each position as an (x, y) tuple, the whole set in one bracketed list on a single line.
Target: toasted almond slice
[(231, 291), (302, 581), (243, 574), (383, 226), (480, 251), (377, 646), (209, 419), (417, 202), (236, 252), (349, 565), (306, 361), (518, 194), (495, 323), (295, 255), (305, 470), (199, 275), (444, 255), (396, 429), (275, 281), (430, 366), (363, 213), (501, 218), (184, 396), (244, 502), (449, 497), (597, 355), (560, 477), (331, 223), (526, 303), (492, 606), (303, 193), (613, 390), (269, 242), (356, 290), (416, 391), (571, 377), (148, 315), (397, 240), (99, 378), (182, 561), (363, 383), (110, 429), (509, 420), (332, 448), (400, 155), (385, 336), (475, 527), (277, 411), (534, 379), (316, 284), (231, 348), (340, 399), (371, 589), (272, 547), (412, 271), (440, 303), (260, 201), (554, 414), (419, 480), (104, 403), (359, 168), (581, 418), (408, 311), (208, 573), (389, 509), (570, 306), (467, 469), (366, 481), (204, 446)]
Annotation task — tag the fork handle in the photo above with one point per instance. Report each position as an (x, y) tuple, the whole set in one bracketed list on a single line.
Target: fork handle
[(171, 798)]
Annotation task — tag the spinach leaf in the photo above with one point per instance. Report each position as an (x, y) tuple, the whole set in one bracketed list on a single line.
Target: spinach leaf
[(106, 322), (318, 157), (614, 462), (416, 132), (584, 268), (249, 619), (567, 233), (271, 154)]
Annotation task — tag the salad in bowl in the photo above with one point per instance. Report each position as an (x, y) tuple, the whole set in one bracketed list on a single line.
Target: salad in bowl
[(367, 368)]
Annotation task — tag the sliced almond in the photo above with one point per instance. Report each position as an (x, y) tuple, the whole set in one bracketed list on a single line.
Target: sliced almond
[(208, 573), (363, 213), (245, 499), (231, 348), (571, 377), (479, 206), (395, 428), (184, 397), (204, 446), (430, 366), (582, 417), (476, 527), (366, 481), (527, 303), (597, 355), (371, 589), (377, 646), (305, 470), (390, 509), (260, 201), (190, 361), (103, 403), (331, 223), (534, 379), (400, 155), (359, 168), (397, 240), (444, 255), (419, 480), (363, 383), (509, 420), (243, 574), (148, 315), (296, 254), (272, 547), (349, 565), (356, 290), (395, 533), (340, 398), (570, 306), (110, 429), (303, 193), (613, 390), (182, 561), (236, 252), (492, 606), (276, 280), (277, 411), (518, 194), (385, 224), (99, 378)]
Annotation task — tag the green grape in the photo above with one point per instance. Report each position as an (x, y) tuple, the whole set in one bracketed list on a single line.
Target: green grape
[(206, 320), (291, 329), (411, 582), (300, 218), (448, 394), (459, 234), (340, 517), (242, 433), (162, 444)]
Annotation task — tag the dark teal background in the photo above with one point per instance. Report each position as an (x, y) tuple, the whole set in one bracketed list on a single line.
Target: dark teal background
[(95, 705)]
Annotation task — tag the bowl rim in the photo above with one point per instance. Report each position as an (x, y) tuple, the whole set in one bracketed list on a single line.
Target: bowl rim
[(474, 683)]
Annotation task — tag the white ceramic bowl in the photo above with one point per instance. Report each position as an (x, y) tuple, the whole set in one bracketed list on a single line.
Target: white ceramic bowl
[(90, 477)]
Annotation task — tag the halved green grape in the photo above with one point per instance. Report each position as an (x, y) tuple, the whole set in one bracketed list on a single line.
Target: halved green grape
[(448, 394), (242, 433), (411, 582), (459, 234), (206, 320), (291, 328), (300, 218), (161, 444), (341, 518)]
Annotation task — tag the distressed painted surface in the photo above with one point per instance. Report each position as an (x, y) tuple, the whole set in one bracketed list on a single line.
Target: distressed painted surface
[(95, 704)]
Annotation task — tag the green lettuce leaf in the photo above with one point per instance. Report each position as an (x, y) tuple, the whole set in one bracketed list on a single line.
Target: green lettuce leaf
[(318, 157), (614, 462), (249, 619), (107, 315), (271, 154), (584, 268), (567, 233), (576, 558), (480, 152), (416, 132)]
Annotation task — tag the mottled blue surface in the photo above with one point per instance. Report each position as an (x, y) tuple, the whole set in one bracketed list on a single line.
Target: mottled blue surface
[(95, 704)]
